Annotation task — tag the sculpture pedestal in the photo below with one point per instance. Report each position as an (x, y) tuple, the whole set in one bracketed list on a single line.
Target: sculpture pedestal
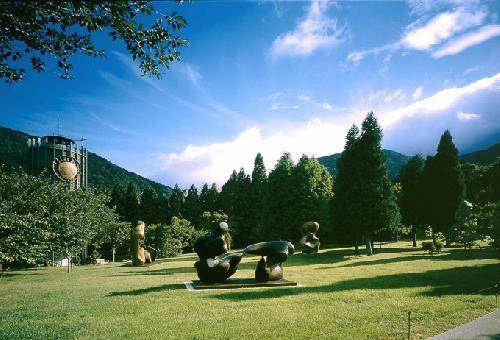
[(238, 283)]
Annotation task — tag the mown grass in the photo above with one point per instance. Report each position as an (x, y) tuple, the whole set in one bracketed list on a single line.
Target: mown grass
[(341, 296)]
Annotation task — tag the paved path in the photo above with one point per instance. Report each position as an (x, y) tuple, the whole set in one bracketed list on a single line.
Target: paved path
[(486, 327)]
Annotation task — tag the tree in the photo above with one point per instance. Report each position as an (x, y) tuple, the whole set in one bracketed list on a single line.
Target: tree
[(410, 202), (376, 197), (345, 200), (116, 234), (131, 204), (117, 201), (149, 207), (209, 198), (258, 187), (278, 201), (176, 202), (312, 190), (443, 187), (235, 199), (39, 32), (192, 207)]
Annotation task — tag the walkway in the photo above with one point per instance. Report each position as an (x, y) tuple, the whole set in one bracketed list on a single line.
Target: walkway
[(486, 327)]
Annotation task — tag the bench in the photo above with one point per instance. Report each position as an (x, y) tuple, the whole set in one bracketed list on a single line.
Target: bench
[(380, 244), (101, 261)]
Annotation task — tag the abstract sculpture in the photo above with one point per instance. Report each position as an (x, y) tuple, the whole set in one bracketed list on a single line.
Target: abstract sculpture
[(310, 242), (214, 264), (140, 256), (273, 254)]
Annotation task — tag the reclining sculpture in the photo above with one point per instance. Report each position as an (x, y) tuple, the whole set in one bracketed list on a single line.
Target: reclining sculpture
[(140, 256), (310, 242), (214, 264), (273, 254)]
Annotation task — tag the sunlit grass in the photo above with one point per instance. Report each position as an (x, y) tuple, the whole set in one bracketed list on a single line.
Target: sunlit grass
[(341, 296)]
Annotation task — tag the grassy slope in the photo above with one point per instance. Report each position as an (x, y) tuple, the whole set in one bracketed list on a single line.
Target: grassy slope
[(342, 296)]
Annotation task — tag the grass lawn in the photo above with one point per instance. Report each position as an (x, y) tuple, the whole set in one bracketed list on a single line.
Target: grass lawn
[(342, 296)]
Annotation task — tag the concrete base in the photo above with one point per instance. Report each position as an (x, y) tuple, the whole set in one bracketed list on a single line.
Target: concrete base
[(238, 283)]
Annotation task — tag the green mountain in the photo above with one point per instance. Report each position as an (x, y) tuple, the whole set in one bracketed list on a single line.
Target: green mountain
[(102, 173), (395, 162), (483, 157)]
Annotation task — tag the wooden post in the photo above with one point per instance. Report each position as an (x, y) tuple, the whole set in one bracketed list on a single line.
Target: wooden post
[(409, 325)]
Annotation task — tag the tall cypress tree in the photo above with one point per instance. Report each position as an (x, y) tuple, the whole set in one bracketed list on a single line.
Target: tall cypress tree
[(345, 200), (192, 207), (259, 181), (208, 198), (380, 210), (410, 202), (131, 204), (443, 186), (176, 202), (279, 202), (149, 207)]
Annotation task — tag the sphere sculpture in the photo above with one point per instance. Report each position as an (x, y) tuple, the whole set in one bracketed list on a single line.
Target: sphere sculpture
[(273, 254), (214, 264), (310, 242), (140, 256)]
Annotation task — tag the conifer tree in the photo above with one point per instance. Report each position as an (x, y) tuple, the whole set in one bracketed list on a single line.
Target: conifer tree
[(149, 208), (410, 202), (312, 187), (208, 198), (131, 204), (117, 201), (259, 181), (375, 193), (192, 207), (176, 202), (443, 186), (345, 200), (279, 201)]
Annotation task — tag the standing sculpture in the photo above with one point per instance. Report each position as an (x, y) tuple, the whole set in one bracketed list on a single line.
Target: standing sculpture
[(273, 254), (140, 256), (214, 264), (310, 242)]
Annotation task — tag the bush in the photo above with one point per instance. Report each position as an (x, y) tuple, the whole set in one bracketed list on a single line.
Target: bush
[(431, 247)]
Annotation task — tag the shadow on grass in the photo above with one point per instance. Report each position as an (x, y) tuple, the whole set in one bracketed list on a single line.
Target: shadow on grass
[(163, 271), (142, 291), (448, 255), (453, 281)]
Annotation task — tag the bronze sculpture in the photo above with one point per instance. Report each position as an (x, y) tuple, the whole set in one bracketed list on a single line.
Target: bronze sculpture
[(310, 242), (273, 254), (140, 256), (214, 264)]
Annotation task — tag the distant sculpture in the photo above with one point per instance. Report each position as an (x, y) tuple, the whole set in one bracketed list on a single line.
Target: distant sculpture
[(273, 254), (310, 242), (214, 264), (140, 256)]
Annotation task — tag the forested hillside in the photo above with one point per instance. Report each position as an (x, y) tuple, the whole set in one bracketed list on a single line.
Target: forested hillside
[(395, 162), (102, 173), (483, 157)]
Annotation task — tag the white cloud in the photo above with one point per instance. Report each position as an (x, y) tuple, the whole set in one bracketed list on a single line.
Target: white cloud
[(316, 30), (467, 40), (440, 28), (420, 35), (467, 115), (280, 106), (441, 100), (418, 93), (304, 97), (215, 162), (326, 105), (395, 96), (471, 69)]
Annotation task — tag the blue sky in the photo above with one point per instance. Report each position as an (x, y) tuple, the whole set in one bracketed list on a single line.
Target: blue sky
[(274, 76)]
